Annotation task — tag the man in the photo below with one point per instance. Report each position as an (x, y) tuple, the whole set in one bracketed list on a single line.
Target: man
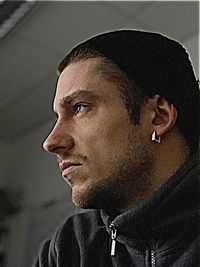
[(126, 140)]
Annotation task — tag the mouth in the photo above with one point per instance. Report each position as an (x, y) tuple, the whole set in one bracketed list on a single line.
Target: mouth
[(68, 167)]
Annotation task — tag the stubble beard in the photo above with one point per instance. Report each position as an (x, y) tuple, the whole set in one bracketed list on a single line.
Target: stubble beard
[(126, 183)]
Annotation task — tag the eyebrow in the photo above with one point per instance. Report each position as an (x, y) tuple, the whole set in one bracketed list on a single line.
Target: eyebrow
[(68, 99)]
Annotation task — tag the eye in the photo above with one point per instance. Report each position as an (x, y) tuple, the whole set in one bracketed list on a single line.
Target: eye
[(80, 107)]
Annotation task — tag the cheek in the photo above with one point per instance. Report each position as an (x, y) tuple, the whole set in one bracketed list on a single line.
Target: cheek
[(102, 139)]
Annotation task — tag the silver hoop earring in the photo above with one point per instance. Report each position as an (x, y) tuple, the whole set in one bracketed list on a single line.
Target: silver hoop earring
[(155, 137)]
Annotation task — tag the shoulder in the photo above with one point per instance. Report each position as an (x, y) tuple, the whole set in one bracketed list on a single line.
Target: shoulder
[(69, 237), (78, 225), (85, 218)]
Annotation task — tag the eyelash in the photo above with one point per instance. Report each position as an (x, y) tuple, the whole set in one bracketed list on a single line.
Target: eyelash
[(79, 105)]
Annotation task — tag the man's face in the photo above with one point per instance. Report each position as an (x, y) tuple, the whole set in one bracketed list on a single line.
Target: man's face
[(103, 157)]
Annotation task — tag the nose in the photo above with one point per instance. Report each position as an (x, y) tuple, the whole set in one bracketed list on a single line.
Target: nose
[(59, 140)]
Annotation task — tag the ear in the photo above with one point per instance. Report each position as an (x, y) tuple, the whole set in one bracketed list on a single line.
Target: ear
[(165, 115)]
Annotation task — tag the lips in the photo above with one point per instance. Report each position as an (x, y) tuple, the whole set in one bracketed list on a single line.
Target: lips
[(67, 167)]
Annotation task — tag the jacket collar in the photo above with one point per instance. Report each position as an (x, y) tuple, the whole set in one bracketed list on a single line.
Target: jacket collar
[(176, 202)]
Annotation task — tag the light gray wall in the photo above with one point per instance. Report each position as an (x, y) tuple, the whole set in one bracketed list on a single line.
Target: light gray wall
[(45, 196), (31, 167), (4, 159), (191, 45)]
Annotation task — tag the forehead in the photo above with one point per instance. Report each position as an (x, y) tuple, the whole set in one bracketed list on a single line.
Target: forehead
[(82, 75), (77, 71)]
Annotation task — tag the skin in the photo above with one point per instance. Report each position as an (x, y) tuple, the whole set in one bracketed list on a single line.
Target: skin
[(119, 164)]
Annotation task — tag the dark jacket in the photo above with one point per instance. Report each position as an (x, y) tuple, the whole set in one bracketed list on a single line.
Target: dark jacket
[(163, 231)]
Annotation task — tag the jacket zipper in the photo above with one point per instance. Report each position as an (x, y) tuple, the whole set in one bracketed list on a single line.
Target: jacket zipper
[(153, 259), (113, 228), (113, 238)]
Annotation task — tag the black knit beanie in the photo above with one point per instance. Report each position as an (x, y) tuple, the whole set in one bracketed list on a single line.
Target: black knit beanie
[(155, 63)]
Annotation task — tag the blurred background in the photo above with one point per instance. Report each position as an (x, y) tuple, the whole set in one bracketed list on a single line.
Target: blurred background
[(34, 36)]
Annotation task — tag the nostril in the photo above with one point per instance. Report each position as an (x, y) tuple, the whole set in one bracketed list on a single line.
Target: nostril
[(50, 145), (59, 150)]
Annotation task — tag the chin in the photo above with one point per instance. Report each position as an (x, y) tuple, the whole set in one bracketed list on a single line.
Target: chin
[(83, 198), (94, 197), (88, 196)]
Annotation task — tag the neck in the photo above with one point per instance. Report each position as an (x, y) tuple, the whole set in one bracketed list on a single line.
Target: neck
[(168, 159)]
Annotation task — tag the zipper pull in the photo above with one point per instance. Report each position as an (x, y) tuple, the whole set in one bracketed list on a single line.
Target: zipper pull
[(113, 238)]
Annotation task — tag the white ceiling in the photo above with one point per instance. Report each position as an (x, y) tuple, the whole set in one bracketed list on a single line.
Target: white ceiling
[(30, 53)]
